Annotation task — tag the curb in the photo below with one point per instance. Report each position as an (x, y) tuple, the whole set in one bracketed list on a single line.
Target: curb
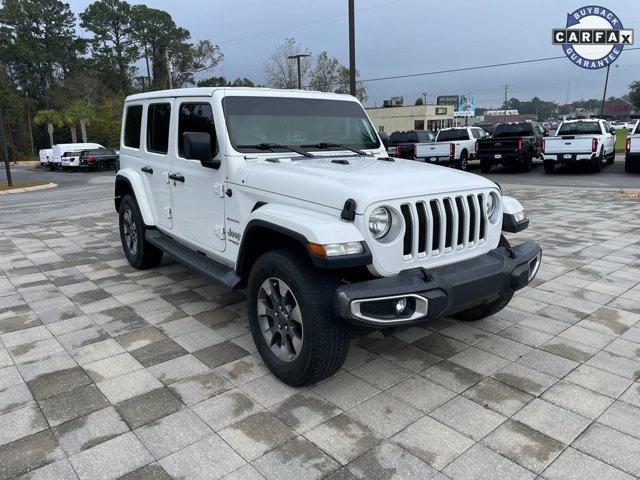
[(29, 189)]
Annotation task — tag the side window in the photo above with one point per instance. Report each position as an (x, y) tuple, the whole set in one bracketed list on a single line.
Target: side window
[(133, 126), (196, 117), (158, 118), (476, 133)]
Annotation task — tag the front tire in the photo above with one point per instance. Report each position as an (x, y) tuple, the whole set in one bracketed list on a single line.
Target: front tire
[(487, 309), (290, 310), (139, 252)]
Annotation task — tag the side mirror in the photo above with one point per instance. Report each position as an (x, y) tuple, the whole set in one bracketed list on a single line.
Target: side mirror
[(197, 146)]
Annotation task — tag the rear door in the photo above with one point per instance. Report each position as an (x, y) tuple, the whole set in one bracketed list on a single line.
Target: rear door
[(198, 200), (155, 164)]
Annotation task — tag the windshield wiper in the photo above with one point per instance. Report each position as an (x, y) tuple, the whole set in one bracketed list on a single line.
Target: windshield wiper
[(271, 146), (325, 145)]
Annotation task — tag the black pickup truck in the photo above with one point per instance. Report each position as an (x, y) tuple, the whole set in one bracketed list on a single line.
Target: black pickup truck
[(401, 144), (513, 145)]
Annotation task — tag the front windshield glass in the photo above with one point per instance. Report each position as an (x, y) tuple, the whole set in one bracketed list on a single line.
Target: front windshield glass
[(295, 122), (580, 128)]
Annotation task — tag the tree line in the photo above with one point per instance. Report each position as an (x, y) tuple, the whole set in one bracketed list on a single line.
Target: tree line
[(59, 86)]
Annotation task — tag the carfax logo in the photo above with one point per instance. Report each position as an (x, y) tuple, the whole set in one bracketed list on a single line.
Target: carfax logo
[(593, 38)]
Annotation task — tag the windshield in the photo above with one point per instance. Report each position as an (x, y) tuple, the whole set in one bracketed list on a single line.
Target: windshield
[(513, 130), (294, 122), (580, 128), (456, 134)]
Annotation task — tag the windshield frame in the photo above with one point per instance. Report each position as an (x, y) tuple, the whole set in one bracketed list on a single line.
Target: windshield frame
[(234, 142)]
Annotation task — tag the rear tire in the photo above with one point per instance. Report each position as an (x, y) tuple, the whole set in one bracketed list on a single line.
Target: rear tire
[(528, 163), (611, 158), (321, 341), (139, 252), (487, 309), (549, 166), (463, 163), (629, 166), (597, 162), (485, 165)]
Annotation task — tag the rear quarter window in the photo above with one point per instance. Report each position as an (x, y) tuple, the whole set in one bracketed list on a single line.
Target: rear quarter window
[(133, 126)]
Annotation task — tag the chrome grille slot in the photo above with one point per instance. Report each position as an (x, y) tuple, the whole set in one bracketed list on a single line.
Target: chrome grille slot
[(435, 233), (443, 225), (461, 222), (408, 229), (422, 227)]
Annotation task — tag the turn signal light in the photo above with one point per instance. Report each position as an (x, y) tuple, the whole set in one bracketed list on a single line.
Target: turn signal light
[(335, 249)]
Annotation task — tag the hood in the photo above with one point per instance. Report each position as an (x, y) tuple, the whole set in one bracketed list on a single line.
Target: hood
[(365, 179)]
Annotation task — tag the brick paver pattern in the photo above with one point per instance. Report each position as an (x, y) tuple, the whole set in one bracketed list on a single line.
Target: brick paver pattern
[(109, 372)]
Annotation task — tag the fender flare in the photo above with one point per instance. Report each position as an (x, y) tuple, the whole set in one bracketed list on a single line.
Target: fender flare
[(305, 226), (134, 182)]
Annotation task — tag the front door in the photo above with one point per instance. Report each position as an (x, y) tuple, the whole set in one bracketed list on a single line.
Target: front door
[(198, 192)]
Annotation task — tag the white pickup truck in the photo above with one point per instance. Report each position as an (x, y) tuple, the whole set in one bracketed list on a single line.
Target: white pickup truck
[(453, 146), (632, 150), (591, 141), (291, 195)]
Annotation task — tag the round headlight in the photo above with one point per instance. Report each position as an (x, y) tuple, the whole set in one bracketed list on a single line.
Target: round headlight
[(491, 205), (380, 222)]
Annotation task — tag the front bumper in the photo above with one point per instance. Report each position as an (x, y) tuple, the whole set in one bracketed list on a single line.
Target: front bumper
[(440, 291)]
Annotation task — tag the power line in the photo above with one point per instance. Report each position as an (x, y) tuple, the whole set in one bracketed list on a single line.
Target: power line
[(306, 24), (476, 67)]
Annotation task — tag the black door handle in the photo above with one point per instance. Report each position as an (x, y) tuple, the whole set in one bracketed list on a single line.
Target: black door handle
[(176, 178), (147, 169)]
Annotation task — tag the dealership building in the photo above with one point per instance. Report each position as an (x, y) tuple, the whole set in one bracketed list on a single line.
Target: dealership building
[(416, 117)]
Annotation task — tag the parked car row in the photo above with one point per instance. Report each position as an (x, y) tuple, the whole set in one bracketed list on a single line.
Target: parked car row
[(79, 156), (590, 142)]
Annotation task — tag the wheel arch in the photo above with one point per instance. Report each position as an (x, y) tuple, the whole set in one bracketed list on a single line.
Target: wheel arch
[(128, 182), (272, 226)]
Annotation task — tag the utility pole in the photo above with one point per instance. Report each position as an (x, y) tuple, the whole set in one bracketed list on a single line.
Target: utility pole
[(506, 90), (604, 94), (352, 49), (5, 149), (33, 148), (168, 61), (297, 58)]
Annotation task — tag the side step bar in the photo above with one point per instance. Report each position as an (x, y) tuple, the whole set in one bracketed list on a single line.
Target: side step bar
[(196, 260)]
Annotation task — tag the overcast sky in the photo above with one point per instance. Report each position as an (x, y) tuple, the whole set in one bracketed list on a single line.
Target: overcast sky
[(396, 37)]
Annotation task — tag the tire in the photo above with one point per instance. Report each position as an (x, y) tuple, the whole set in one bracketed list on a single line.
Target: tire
[(323, 341), (463, 163), (597, 162), (101, 166), (549, 166), (528, 163), (139, 252), (485, 165), (611, 158), (629, 166), (487, 309)]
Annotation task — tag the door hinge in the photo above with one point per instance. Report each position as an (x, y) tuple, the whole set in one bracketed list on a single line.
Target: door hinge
[(219, 189), (219, 230), (168, 212)]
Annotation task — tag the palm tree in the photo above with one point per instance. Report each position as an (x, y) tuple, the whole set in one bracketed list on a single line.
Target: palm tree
[(70, 122), (51, 118), (80, 112)]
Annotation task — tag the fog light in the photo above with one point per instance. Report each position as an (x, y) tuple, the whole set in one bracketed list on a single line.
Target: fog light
[(401, 305)]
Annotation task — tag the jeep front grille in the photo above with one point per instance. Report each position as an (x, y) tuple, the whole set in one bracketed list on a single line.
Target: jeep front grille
[(444, 225)]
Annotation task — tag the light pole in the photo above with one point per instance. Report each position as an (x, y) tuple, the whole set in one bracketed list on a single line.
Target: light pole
[(604, 94), (298, 57), (5, 150)]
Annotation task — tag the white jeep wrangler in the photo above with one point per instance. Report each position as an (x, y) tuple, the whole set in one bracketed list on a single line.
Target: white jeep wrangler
[(292, 195)]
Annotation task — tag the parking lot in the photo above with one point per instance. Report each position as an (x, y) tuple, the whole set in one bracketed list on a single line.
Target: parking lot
[(107, 371)]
